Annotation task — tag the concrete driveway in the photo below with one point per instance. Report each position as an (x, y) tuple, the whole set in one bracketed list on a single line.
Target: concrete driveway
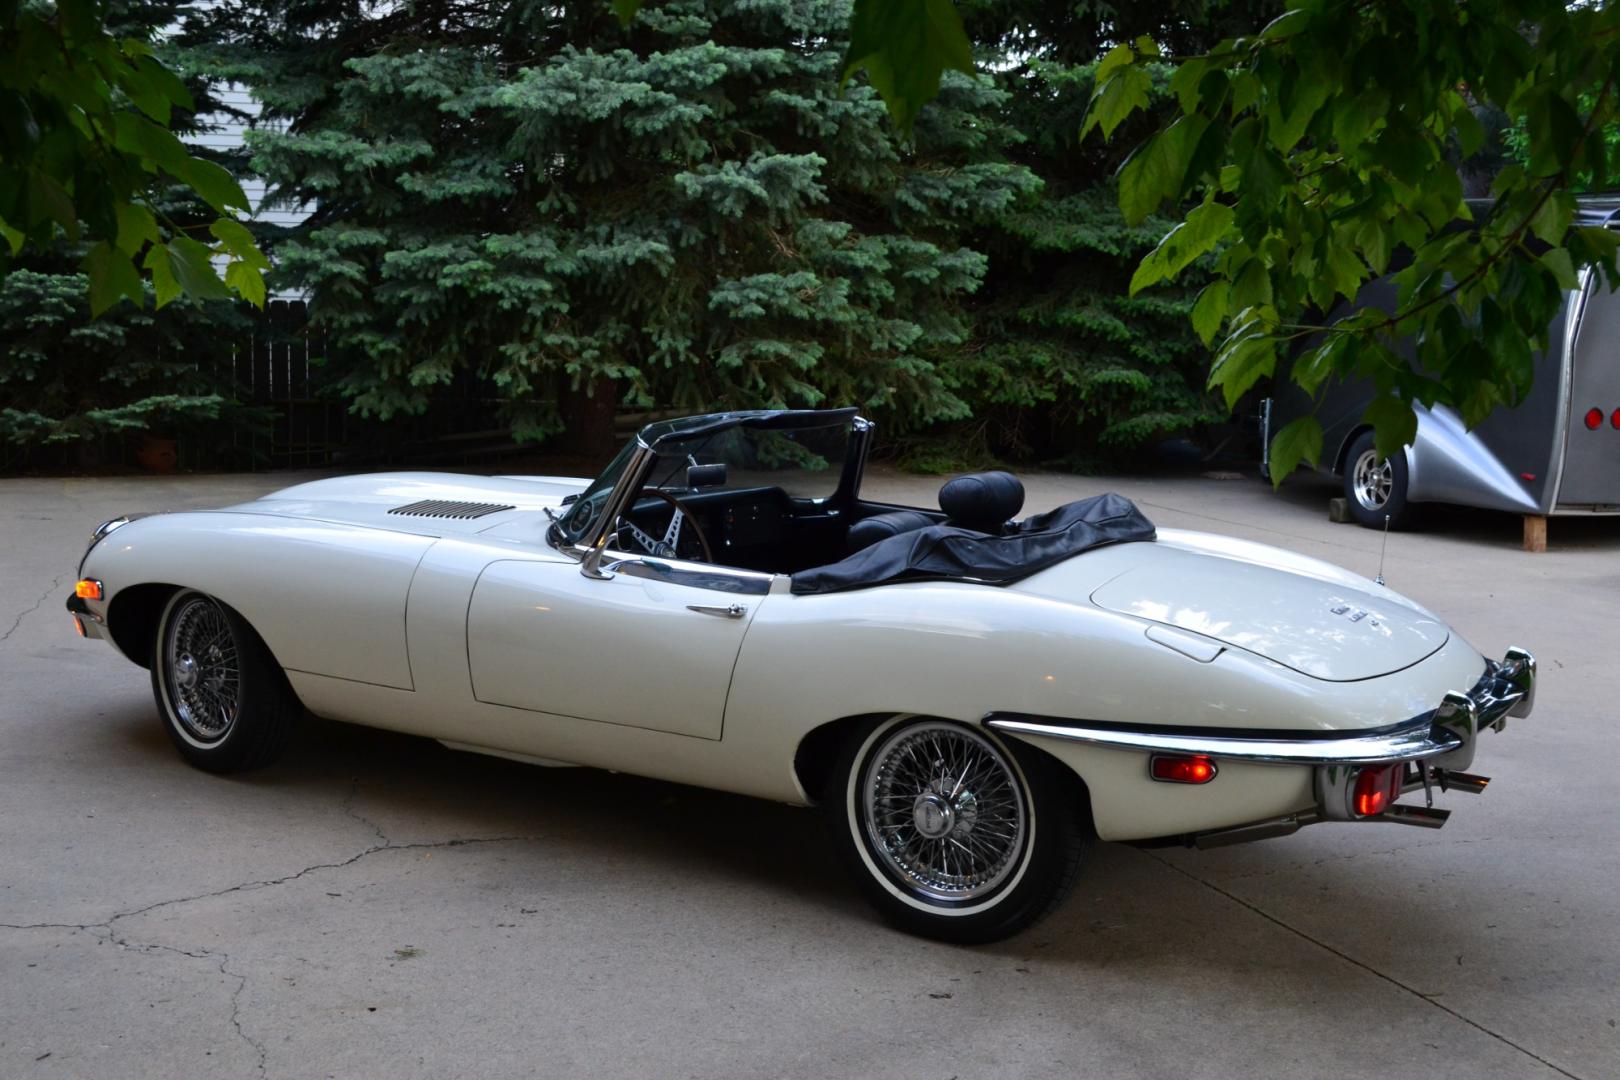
[(379, 906)]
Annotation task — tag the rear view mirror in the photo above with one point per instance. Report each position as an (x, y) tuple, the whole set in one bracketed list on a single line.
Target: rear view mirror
[(706, 476)]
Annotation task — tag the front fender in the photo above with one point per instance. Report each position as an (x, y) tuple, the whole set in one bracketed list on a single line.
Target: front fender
[(327, 599)]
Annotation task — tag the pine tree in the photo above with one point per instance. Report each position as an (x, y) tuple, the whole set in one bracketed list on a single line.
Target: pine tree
[(1064, 363), (688, 212), (66, 378)]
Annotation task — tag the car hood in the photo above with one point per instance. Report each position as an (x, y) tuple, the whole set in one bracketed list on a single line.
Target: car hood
[(374, 500), (1304, 614)]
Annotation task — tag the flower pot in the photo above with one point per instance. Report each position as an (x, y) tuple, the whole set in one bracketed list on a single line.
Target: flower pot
[(158, 454)]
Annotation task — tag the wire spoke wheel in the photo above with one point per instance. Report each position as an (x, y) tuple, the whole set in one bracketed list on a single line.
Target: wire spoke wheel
[(944, 812), (1372, 480), (202, 669)]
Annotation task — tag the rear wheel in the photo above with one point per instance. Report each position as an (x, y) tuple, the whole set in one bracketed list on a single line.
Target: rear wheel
[(224, 700), (952, 833), (1375, 485)]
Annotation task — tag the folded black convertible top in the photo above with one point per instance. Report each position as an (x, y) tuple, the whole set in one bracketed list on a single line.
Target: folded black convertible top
[(948, 553)]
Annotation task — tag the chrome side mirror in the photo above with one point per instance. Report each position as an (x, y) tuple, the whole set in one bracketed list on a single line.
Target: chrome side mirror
[(706, 476)]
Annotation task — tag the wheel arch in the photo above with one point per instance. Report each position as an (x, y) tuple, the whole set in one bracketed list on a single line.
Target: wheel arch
[(1342, 457), (817, 755), (132, 618)]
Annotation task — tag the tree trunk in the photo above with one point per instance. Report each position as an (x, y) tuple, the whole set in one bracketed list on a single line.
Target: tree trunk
[(587, 415)]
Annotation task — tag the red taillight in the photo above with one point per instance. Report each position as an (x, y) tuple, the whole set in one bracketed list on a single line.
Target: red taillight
[(1614, 419), (1377, 790), (1182, 768), (1594, 418)]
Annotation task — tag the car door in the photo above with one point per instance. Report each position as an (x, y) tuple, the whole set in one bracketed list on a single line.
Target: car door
[(652, 645)]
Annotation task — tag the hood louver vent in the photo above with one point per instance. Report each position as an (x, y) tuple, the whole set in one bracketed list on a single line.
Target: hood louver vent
[(447, 508)]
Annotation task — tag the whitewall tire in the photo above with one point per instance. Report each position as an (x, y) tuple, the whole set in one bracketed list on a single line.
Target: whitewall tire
[(952, 832), (223, 699)]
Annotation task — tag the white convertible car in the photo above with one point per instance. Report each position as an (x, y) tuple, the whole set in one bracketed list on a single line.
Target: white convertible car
[(972, 698)]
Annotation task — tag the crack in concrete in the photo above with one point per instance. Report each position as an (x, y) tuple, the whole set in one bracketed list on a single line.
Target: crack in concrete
[(55, 584), (1428, 999), (104, 932)]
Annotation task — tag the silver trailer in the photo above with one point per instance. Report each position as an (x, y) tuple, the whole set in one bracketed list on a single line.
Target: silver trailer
[(1556, 453)]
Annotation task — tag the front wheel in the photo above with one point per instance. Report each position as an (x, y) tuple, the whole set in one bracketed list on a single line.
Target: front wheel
[(1375, 486), (224, 700), (952, 833)]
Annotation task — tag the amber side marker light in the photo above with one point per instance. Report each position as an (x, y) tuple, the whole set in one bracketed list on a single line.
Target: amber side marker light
[(1182, 768), (88, 589)]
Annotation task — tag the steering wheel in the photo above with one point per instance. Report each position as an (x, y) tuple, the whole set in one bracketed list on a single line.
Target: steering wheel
[(668, 547)]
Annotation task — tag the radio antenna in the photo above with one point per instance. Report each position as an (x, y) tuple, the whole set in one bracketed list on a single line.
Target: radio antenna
[(1379, 580)]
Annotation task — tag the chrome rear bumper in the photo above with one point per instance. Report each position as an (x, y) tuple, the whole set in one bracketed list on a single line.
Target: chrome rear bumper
[(1507, 688)]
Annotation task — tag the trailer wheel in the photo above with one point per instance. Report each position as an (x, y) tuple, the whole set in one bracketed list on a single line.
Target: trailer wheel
[(1375, 486)]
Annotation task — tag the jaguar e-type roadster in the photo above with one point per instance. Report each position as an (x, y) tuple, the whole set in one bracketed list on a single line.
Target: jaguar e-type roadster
[(971, 697)]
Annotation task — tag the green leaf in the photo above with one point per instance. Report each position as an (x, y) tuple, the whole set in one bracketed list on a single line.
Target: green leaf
[(163, 281), (1298, 443), (239, 242), (905, 46), (1288, 124), (1248, 355), (1120, 56), (1557, 260), (191, 263), (1394, 425), (1153, 173), (1185, 80), (136, 226), (1470, 132), (1204, 228), (1210, 310), (214, 185), (247, 281), (1373, 237), (112, 277), (54, 200), (1123, 94), (1552, 218)]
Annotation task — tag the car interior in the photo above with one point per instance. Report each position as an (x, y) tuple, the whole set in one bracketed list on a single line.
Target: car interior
[(765, 529)]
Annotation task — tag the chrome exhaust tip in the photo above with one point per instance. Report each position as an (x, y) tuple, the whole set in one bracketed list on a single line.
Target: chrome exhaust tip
[(1424, 817)]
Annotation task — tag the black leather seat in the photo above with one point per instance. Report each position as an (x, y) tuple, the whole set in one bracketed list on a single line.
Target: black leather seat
[(984, 502), (868, 531)]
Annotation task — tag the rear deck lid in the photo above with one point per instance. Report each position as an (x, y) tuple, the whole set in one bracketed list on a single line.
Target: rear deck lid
[(1321, 628)]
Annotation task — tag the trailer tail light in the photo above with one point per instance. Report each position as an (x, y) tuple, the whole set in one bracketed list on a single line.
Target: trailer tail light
[(1376, 790), (1594, 418), (1614, 419), (1182, 768)]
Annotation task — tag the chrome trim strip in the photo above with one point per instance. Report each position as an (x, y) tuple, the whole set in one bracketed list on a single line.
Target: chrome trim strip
[(1574, 314), (1507, 688), (1411, 743)]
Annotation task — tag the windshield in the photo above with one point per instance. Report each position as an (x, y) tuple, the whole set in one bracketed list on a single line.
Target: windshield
[(806, 461)]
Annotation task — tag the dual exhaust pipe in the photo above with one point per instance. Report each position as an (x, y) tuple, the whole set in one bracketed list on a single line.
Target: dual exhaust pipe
[(1419, 777)]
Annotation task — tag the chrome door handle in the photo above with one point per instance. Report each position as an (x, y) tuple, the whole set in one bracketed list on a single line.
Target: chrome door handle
[(729, 611)]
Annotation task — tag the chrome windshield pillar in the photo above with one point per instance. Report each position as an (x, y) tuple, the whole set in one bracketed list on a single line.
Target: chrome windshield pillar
[(617, 502)]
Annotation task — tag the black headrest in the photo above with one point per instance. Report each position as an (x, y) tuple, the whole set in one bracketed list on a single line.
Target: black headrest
[(868, 531), (984, 501)]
